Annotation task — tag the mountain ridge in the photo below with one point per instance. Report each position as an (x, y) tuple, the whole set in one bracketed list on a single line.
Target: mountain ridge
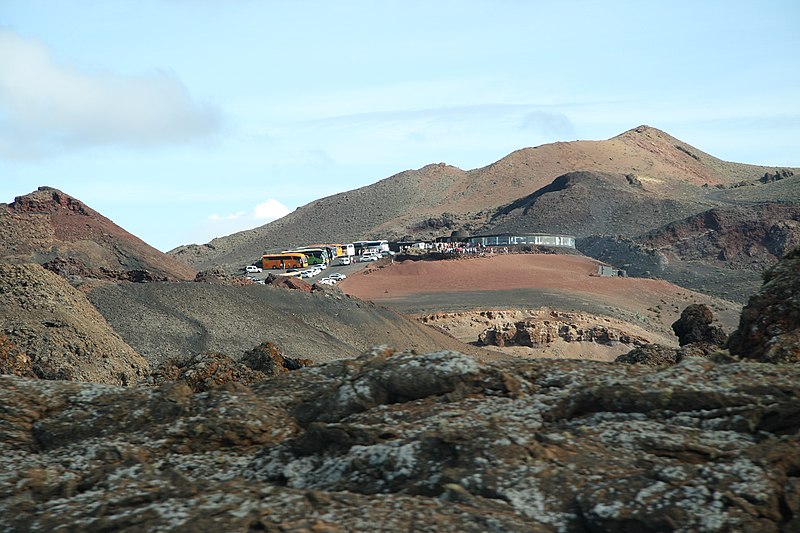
[(438, 198)]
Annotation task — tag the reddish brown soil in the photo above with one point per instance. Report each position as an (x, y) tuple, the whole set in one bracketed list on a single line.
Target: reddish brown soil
[(654, 304)]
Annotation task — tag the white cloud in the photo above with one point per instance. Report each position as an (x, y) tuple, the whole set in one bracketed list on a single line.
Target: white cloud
[(47, 107), (270, 210), (217, 225)]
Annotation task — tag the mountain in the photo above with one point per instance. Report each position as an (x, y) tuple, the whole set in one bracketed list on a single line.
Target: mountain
[(629, 184), (722, 251), (52, 228), (114, 331)]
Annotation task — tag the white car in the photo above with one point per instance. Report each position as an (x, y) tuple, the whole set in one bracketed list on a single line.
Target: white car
[(252, 269), (338, 276), (327, 281), (307, 273), (369, 257), (344, 261)]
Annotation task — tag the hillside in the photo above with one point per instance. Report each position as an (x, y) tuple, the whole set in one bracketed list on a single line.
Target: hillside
[(53, 228), (722, 251), (115, 329), (399, 441), (163, 320), (646, 307), (57, 334), (652, 169)]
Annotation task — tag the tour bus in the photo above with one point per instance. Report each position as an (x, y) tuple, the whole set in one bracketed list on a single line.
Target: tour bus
[(315, 256), (371, 246), (334, 250), (284, 260)]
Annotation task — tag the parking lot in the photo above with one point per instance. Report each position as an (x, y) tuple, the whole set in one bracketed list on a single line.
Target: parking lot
[(346, 270)]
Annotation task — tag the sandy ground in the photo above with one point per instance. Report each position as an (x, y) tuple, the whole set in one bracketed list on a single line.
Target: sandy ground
[(530, 281)]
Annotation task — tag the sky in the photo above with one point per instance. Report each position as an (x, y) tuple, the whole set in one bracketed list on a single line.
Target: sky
[(185, 120)]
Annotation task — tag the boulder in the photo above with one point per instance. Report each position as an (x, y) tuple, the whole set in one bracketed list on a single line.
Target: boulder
[(267, 358), (655, 355), (288, 282), (205, 371), (769, 327), (695, 325)]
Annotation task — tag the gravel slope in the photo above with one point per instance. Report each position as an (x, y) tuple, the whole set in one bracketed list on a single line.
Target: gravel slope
[(162, 320)]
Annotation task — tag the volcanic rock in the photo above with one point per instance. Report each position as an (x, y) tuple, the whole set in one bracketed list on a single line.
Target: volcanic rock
[(267, 358), (534, 332), (403, 442), (205, 371), (655, 355), (218, 275), (695, 325), (64, 337), (49, 226), (14, 361), (288, 282), (769, 328)]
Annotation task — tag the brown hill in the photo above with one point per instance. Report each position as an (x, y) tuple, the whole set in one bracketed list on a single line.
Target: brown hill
[(53, 228), (59, 332), (652, 169), (51, 330), (722, 251), (647, 307)]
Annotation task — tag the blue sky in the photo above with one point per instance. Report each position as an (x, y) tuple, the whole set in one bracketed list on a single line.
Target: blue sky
[(183, 120)]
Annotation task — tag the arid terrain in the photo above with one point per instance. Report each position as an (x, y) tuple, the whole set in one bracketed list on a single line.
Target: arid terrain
[(454, 294), (491, 392)]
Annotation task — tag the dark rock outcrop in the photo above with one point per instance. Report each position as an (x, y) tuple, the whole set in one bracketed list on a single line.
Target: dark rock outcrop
[(205, 371), (655, 355), (288, 282), (403, 442), (769, 329), (267, 358), (696, 325), (220, 276)]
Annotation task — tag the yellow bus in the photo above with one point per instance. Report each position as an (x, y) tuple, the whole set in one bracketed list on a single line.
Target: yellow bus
[(284, 260)]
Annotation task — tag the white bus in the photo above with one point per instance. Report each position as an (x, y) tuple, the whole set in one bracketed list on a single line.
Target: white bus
[(371, 246)]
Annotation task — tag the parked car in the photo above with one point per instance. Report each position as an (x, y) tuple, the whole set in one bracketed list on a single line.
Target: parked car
[(252, 269), (337, 276), (345, 261), (327, 281), (369, 257), (307, 273)]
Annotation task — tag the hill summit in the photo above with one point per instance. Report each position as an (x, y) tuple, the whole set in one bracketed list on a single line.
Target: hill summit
[(52, 228), (632, 183)]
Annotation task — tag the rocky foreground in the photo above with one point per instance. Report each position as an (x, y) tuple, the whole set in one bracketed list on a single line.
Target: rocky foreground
[(398, 441)]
